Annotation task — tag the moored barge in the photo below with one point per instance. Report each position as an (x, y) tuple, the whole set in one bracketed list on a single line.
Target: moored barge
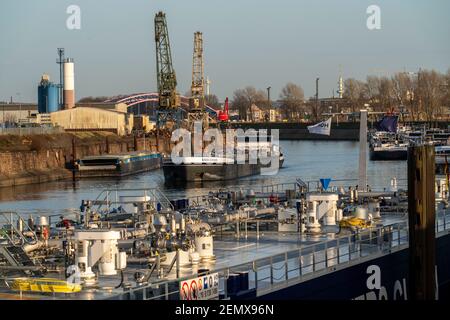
[(117, 165)]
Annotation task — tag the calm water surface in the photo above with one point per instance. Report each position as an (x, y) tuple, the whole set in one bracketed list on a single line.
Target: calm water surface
[(308, 160)]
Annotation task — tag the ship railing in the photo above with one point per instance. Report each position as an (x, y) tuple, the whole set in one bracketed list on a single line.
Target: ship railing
[(15, 229), (335, 184), (281, 270), (264, 190), (298, 186), (110, 198), (293, 265)]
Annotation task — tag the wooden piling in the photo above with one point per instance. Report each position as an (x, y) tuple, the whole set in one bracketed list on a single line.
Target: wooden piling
[(107, 146), (422, 215), (74, 157), (135, 143)]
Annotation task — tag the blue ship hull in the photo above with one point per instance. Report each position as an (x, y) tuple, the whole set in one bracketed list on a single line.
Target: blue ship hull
[(352, 282)]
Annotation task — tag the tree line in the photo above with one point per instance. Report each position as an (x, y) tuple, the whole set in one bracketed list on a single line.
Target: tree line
[(423, 95), (292, 101)]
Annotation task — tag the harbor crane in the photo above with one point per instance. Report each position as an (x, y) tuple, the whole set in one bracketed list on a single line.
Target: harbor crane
[(169, 100), (198, 80), (197, 101)]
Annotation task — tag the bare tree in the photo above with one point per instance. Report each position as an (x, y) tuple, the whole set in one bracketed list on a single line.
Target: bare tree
[(386, 93), (212, 101), (10, 118), (243, 100), (432, 92), (354, 93), (405, 91), (446, 101), (292, 98), (371, 91)]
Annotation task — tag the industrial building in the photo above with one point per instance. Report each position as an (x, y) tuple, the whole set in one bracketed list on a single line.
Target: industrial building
[(142, 123), (16, 112), (48, 95), (93, 119)]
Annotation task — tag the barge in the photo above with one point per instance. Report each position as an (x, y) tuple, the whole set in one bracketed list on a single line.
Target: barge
[(117, 165), (389, 152), (388, 146), (200, 169)]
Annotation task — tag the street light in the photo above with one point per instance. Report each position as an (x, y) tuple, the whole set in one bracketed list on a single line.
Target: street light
[(20, 107), (317, 96), (268, 100)]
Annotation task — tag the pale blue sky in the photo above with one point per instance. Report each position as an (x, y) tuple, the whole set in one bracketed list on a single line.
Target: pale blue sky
[(247, 42)]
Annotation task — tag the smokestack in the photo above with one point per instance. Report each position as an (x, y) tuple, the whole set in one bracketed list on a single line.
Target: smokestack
[(69, 84)]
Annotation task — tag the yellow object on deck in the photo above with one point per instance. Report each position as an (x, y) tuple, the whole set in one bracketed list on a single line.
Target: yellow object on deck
[(354, 223), (45, 285)]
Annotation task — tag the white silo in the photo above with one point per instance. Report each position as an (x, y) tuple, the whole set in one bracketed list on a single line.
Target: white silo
[(69, 84)]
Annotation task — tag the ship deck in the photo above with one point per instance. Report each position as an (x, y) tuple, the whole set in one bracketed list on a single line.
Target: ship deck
[(272, 261)]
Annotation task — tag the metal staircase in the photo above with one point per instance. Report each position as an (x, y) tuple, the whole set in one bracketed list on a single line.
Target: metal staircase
[(15, 233)]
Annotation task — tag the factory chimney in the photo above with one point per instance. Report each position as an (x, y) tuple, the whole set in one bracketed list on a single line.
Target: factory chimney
[(69, 84)]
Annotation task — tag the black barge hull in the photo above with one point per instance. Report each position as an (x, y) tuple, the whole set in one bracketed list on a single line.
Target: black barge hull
[(388, 155), (121, 170), (210, 172)]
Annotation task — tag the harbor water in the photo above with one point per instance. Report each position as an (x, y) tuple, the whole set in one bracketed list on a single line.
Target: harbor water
[(308, 160)]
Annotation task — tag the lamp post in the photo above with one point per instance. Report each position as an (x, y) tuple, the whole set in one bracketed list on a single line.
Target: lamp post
[(3, 118), (20, 106), (268, 99), (317, 97)]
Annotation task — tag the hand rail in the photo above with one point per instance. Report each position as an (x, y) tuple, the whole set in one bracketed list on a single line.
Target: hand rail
[(15, 236), (314, 259)]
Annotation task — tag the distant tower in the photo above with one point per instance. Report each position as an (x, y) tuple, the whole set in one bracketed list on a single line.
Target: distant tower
[(208, 85), (341, 87), (340, 84), (69, 84)]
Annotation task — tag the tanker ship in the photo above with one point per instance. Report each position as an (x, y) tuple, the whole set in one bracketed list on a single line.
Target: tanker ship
[(285, 241)]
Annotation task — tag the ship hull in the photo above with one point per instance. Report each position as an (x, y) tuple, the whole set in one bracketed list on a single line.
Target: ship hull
[(210, 172), (122, 169), (351, 283), (380, 277), (386, 155)]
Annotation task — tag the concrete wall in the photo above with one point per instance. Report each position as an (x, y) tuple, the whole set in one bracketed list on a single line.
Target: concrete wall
[(299, 131), (38, 162), (87, 118)]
